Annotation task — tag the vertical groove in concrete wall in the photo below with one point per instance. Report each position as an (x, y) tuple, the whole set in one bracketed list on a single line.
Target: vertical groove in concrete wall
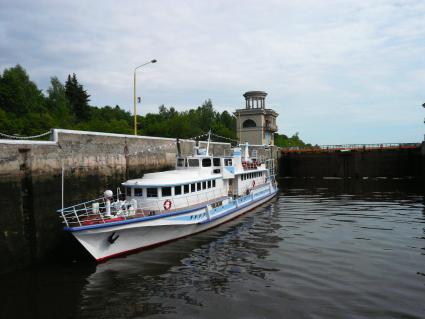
[(27, 204)]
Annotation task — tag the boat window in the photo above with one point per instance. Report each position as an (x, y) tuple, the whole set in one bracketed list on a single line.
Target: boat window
[(213, 182), (178, 190), (193, 162), (217, 171), (186, 188), (206, 162), (138, 192), (216, 161), (227, 162), (198, 186), (192, 188), (166, 191), (209, 184), (152, 192), (204, 185), (128, 191), (180, 162)]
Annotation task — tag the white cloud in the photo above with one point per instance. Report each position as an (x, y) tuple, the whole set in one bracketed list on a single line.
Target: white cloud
[(325, 64)]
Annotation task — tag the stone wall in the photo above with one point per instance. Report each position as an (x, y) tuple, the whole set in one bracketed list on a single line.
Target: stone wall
[(30, 184), (356, 164)]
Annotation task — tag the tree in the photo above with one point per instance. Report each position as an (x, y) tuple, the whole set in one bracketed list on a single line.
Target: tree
[(78, 98), (20, 101), (18, 94), (58, 103)]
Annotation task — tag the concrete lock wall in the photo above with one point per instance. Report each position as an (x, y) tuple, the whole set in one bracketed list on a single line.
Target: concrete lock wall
[(30, 183), (355, 164)]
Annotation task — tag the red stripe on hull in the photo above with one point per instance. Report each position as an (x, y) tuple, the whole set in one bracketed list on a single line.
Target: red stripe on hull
[(126, 252)]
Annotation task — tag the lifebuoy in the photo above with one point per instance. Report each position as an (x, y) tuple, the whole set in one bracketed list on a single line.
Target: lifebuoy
[(167, 204)]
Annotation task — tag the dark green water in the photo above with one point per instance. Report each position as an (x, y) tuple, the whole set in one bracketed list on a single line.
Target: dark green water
[(328, 249)]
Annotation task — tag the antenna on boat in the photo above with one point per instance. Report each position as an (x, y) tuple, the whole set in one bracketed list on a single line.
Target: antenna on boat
[(208, 144), (178, 147), (62, 182)]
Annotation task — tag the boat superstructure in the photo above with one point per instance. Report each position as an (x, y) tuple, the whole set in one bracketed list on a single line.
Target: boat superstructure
[(202, 191)]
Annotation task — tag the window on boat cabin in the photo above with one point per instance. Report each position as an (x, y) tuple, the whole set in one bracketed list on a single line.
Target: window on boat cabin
[(204, 185), (216, 171), (186, 188), (180, 162), (138, 192), (128, 191), (166, 191), (193, 187), (213, 183), (193, 162), (198, 186), (227, 162), (216, 161), (151, 192), (209, 184), (178, 190), (206, 162)]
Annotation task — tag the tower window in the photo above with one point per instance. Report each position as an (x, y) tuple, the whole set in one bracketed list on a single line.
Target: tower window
[(249, 123)]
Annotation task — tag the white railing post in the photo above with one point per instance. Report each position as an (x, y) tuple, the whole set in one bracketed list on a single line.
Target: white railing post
[(64, 218), (76, 215)]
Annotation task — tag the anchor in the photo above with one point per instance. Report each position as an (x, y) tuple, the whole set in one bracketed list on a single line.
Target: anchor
[(113, 237)]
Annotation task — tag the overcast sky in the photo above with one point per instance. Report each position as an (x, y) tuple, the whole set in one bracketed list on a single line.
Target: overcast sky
[(336, 71)]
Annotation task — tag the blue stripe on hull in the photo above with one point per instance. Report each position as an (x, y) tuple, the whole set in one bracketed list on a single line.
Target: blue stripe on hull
[(214, 212)]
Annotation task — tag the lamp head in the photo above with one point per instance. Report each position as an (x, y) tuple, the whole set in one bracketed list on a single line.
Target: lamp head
[(153, 61)]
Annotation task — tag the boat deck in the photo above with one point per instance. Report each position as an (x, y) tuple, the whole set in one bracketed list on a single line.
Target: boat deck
[(86, 217)]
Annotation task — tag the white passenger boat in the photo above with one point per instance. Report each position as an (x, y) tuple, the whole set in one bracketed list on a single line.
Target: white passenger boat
[(202, 192)]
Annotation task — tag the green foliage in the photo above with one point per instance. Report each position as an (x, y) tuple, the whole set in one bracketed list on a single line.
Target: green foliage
[(25, 110), (78, 98), (20, 103), (283, 140), (169, 122), (58, 104)]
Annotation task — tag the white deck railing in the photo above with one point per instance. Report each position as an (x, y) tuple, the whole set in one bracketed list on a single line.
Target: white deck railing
[(96, 211)]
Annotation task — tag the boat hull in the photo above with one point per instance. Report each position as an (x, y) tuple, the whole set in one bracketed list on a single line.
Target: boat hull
[(115, 240)]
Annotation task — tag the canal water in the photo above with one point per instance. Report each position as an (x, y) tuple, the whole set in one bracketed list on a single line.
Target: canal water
[(328, 249)]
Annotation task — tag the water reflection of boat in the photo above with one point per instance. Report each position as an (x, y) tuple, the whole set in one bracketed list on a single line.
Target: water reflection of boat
[(188, 272), (202, 192)]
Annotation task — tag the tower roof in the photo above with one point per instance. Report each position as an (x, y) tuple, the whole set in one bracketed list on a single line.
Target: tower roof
[(250, 94)]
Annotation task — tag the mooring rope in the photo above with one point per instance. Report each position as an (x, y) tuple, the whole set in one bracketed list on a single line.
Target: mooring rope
[(25, 137)]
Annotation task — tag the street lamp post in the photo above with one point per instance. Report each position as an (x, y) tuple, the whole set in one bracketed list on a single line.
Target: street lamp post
[(423, 105), (134, 93)]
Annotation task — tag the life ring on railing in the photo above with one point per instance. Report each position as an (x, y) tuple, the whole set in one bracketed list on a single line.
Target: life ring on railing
[(167, 204)]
